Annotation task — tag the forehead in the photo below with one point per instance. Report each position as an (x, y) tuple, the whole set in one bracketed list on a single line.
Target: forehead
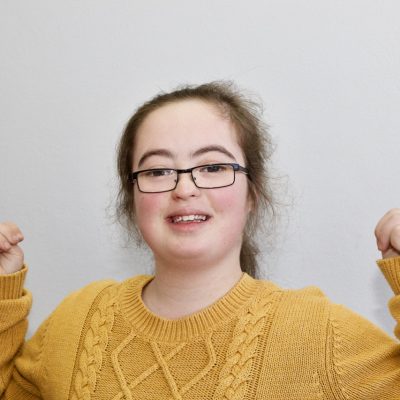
[(184, 126)]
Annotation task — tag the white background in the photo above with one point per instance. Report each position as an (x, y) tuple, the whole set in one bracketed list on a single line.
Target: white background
[(72, 73)]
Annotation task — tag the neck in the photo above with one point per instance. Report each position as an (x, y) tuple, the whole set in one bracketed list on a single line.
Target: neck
[(179, 291)]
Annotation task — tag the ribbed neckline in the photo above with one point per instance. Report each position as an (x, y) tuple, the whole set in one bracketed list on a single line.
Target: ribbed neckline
[(161, 329)]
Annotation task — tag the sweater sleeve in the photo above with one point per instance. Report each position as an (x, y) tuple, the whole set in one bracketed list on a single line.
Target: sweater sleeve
[(15, 304), (41, 367), (363, 362)]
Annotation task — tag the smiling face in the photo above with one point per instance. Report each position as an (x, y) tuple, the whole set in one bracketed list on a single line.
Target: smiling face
[(189, 223)]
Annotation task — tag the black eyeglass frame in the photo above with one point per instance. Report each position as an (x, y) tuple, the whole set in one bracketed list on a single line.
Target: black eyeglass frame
[(236, 168)]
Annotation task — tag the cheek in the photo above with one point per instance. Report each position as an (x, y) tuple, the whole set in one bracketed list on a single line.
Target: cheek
[(147, 208), (234, 205)]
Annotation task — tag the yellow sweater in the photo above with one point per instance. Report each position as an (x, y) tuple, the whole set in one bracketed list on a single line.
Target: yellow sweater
[(257, 342)]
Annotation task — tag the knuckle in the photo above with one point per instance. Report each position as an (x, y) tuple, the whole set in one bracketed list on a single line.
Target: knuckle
[(9, 231), (5, 225), (378, 231), (395, 218), (394, 212), (10, 226)]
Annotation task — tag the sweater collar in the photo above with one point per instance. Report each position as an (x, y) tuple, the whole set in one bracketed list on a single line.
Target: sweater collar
[(157, 328)]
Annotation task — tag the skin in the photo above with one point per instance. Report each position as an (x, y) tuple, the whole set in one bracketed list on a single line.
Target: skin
[(197, 262), (11, 254), (387, 233), (200, 261)]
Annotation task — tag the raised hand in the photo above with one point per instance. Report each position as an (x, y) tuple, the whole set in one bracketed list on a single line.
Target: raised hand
[(387, 234), (11, 255)]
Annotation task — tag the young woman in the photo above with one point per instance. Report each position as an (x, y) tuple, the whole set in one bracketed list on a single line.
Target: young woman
[(194, 186)]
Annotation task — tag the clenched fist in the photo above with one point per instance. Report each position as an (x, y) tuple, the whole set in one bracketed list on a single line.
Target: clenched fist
[(11, 255), (387, 234)]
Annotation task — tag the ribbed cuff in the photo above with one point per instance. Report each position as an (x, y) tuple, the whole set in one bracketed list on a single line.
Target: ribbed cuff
[(12, 285), (390, 268)]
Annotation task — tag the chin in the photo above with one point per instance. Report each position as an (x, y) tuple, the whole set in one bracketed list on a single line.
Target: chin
[(194, 255), (188, 254)]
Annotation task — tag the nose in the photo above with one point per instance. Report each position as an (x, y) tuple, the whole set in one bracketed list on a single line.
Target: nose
[(185, 187)]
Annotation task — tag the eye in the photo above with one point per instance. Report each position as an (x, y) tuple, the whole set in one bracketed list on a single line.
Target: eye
[(213, 168), (156, 173)]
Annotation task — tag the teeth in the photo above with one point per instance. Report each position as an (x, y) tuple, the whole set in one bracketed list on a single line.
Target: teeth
[(190, 218)]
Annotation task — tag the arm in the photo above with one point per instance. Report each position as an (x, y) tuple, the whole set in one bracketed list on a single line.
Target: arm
[(387, 234), (362, 361), (42, 367), (15, 303), (14, 308)]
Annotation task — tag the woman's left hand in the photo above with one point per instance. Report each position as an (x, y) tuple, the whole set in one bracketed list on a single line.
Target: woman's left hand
[(387, 234)]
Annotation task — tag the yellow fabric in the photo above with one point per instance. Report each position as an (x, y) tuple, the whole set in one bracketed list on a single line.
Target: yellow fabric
[(257, 342)]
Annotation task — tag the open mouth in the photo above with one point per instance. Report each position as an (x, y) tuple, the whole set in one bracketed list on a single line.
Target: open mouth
[(186, 219)]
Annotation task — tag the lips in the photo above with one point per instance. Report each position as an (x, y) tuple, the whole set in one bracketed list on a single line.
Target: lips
[(188, 217)]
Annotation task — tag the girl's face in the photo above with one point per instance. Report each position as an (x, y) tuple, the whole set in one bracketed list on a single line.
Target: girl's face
[(183, 135)]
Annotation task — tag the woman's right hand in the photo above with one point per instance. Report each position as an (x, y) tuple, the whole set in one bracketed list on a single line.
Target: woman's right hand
[(11, 255)]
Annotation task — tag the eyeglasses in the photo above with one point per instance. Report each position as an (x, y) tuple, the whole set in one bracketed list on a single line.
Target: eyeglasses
[(210, 176)]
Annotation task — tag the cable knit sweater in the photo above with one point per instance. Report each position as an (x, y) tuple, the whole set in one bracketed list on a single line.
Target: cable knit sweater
[(257, 342)]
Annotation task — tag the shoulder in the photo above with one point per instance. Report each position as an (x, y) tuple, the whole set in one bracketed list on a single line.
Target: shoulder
[(292, 309), (80, 302), (81, 310), (307, 308), (80, 306), (308, 294), (297, 309)]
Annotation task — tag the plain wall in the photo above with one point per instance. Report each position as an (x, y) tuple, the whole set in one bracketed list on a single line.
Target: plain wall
[(72, 73)]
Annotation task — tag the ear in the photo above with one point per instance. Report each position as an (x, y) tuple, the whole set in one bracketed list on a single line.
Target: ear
[(251, 199)]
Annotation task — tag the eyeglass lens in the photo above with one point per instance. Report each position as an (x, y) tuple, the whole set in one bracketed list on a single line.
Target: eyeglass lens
[(209, 176)]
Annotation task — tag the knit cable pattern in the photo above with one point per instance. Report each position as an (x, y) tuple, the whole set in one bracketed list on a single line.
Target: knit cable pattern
[(235, 374), (336, 351), (94, 344)]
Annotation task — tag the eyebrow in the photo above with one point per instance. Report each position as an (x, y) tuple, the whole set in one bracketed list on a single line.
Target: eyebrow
[(217, 148), (199, 152), (156, 152)]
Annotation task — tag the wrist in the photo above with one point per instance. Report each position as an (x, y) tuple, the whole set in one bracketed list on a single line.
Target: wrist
[(12, 285), (390, 268)]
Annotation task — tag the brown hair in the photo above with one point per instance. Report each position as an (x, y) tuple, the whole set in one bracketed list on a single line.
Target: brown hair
[(253, 138)]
